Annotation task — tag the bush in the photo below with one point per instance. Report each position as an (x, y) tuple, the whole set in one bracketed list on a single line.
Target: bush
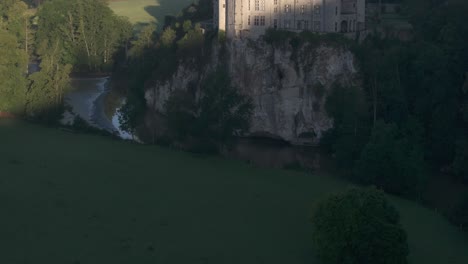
[(358, 227)]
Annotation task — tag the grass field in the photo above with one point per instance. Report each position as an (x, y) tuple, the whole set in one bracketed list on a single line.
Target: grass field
[(71, 198), (146, 11)]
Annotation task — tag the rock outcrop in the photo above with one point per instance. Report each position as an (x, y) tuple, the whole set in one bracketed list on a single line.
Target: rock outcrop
[(288, 86)]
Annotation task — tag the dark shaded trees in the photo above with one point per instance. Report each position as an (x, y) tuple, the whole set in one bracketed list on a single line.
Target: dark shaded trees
[(416, 100), (459, 214), (392, 159), (220, 113), (348, 107)]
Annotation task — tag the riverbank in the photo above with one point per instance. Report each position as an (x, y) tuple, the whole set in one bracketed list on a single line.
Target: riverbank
[(70, 198), (88, 100)]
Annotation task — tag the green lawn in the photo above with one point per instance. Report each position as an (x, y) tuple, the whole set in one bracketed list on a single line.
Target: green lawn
[(71, 198), (145, 11)]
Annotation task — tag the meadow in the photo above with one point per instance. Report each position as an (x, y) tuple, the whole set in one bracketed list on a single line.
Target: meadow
[(147, 11), (73, 198)]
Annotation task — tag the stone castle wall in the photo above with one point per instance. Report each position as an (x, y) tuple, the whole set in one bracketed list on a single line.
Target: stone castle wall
[(251, 18)]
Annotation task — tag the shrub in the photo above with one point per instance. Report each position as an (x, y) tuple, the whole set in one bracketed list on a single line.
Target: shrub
[(357, 227)]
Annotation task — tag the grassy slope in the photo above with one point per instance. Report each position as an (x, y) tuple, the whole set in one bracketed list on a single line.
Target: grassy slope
[(69, 198), (145, 11)]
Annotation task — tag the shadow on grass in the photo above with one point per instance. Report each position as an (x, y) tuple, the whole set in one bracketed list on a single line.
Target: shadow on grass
[(165, 8)]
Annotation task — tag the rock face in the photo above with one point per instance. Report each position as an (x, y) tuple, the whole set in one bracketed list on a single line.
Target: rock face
[(288, 85)]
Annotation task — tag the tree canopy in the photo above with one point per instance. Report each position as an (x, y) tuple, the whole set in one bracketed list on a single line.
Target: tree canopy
[(86, 32), (358, 226)]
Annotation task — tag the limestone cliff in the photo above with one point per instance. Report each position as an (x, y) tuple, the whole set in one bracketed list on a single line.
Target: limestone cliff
[(288, 85)]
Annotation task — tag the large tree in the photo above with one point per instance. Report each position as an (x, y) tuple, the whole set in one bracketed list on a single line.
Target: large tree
[(357, 227), (393, 158), (219, 113), (13, 61), (86, 31), (13, 56)]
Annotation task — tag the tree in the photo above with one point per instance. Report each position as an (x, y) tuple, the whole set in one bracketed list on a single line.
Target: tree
[(168, 36), (460, 164), (459, 214), (13, 56), (14, 19), (347, 106), (133, 111), (87, 31), (192, 42), (13, 61), (47, 89), (358, 226), (219, 114), (144, 41), (393, 159)]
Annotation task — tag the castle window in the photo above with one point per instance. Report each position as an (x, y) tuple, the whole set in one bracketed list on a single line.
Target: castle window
[(306, 24), (287, 23), (262, 20), (336, 11), (257, 5), (287, 8), (336, 27), (302, 9), (275, 10), (249, 5), (299, 24), (256, 20), (275, 2), (262, 5), (275, 23), (317, 9), (248, 21)]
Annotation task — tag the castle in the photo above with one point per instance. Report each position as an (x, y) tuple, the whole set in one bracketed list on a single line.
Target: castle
[(250, 18)]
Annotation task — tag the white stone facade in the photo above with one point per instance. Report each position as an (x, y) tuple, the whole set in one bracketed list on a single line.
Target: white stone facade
[(250, 18)]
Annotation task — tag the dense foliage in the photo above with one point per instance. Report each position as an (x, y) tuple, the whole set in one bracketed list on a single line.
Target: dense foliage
[(460, 214), (392, 160), (220, 113), (86, 32), (13, 56), (63, 36), (416, 99), (13, 64), (359, 226)]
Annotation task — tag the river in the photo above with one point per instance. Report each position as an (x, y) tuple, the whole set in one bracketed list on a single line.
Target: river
[(87, 100)]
